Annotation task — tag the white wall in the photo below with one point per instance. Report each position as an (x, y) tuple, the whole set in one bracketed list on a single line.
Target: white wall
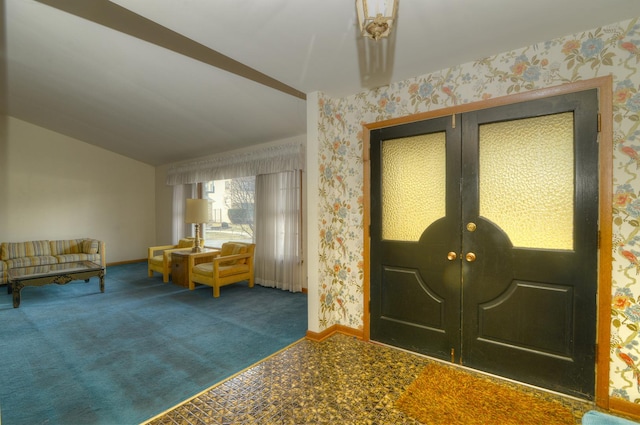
[(312, 218), (57, 187), (164, 207)]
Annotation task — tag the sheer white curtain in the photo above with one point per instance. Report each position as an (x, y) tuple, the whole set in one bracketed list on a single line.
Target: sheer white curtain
[(263, 160), (180, 194), (278, 256)]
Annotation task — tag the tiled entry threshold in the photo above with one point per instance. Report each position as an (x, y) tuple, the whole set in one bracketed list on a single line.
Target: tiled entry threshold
[(339, 380)]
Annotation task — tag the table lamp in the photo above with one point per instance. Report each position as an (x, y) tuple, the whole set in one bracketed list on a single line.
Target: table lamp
[(197, 212)]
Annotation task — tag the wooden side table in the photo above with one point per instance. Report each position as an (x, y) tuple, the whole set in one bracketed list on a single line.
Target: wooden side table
[(181, 268)]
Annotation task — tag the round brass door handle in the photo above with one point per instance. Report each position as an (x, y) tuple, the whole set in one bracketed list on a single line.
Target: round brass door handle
[(470, 257), (451, 256)]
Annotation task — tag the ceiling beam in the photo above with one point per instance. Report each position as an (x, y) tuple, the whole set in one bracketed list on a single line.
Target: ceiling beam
[(118, 18)]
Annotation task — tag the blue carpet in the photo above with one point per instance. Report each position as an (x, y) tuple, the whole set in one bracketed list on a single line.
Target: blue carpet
[(594, 417), (72, 355)]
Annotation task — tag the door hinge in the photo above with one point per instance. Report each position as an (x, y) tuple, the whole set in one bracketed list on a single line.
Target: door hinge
[(453, 355), (453, 121), (599, 121)]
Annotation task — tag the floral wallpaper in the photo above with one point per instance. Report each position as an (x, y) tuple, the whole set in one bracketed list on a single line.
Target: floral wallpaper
[(613, 49)]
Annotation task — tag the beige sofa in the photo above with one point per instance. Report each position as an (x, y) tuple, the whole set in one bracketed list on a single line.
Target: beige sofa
[(43, 252)]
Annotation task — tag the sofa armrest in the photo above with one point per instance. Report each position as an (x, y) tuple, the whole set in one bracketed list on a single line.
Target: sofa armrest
[(103, 253), (169, 251), (233, 257), (153, 249)]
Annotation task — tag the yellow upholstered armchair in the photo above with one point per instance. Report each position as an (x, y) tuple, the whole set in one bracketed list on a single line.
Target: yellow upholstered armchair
[(159, 257), (232, 264)]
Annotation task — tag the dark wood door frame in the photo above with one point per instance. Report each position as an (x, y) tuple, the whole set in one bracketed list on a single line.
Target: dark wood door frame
[(604, 86)]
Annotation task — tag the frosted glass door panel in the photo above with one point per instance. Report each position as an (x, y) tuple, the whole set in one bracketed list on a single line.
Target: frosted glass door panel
[(526, 180), (413, 185)]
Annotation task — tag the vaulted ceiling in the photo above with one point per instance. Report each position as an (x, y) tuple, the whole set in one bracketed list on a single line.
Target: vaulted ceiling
[(166, 80)]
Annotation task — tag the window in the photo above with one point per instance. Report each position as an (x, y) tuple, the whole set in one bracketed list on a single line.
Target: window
[(231, 210)]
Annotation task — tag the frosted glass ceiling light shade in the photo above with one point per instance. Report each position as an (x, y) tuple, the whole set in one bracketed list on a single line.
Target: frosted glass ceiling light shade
[(376, 17)]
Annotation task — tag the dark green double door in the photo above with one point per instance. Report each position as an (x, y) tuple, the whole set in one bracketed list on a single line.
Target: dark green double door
[(484, 230)]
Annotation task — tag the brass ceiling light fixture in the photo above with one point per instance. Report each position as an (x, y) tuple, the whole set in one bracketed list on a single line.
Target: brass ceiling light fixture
[(376, 17)]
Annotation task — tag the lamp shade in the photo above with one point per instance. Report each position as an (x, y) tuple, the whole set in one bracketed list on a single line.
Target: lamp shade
[(376, 17), (197, 211)]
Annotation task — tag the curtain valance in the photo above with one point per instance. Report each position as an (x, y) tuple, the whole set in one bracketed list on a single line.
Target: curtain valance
[(266, 160)]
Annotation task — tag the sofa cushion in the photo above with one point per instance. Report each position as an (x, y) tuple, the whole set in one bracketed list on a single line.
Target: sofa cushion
[(206, 269), (96, 258), (70, 246), (186, 243), (70, 258), (157, 260), (3, 273), (233, 269), (230, 248), (90, 246), (11, 250), (31, 261)]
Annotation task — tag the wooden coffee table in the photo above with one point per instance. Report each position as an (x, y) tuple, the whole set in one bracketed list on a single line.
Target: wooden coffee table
[(54, 273)]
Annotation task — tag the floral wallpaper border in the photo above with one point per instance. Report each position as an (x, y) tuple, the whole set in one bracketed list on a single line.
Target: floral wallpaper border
[(611, 50)]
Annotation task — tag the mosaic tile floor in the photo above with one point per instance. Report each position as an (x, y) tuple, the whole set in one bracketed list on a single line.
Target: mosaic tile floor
[(340, 380)]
